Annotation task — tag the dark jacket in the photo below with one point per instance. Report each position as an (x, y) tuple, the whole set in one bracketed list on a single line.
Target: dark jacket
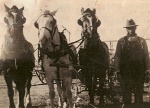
[(120, 53)]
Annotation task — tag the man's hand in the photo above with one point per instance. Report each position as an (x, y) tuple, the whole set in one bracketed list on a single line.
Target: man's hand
[(147, 71)]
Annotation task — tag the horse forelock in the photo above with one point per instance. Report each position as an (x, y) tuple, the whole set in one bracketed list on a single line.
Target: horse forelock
[(14, 20)]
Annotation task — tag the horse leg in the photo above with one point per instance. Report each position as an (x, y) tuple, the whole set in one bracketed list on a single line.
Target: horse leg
[(21, 90), (8, 80), (51, 93), (91, 94), (101, 90), (60, 94), (28, 98), (101, 99), (91, 88), (68, 94), (64, 98)]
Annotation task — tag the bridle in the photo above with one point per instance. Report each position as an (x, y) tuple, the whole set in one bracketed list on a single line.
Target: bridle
[(55, 53), (51, 32), (14, 23), (85, 29)]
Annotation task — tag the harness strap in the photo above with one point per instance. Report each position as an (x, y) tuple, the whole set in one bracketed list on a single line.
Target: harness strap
[(57, 72), (16, 66), (52, 33)]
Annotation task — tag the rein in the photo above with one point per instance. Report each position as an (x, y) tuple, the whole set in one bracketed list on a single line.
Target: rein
[(15, 23), (51, 54), (52, 32), (61, 52), (12, 25)]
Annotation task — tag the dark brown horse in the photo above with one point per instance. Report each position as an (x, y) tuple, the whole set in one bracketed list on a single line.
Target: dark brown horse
[(94, 55), (17, 57)]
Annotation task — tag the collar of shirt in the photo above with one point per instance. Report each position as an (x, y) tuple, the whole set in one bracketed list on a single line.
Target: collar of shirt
[(132, 37)]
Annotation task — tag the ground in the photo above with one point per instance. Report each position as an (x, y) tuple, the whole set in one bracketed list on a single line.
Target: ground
[(39, 96)]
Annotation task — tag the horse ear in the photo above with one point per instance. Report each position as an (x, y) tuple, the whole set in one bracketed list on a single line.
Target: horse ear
[(54, 12), (21, 9), (94, 10), (6, 8), (5, 20), (82, 11)]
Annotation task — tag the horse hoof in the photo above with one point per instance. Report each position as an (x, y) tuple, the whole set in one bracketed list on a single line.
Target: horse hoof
[(65, 105), (29, 105), (20, 107), (12, 106)]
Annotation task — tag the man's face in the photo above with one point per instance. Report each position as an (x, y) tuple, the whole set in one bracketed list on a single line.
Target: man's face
[(131, 30)]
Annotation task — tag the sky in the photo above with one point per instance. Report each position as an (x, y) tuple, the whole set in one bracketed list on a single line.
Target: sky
[(112, 13)]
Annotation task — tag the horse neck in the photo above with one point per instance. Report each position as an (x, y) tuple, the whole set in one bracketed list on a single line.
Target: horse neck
[(94, 41), (19, 34), (52, 42), (11, 43), (94, 32), (56, 37)]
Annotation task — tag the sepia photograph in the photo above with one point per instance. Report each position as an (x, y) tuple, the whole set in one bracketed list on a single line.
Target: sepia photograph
[(74, 54)]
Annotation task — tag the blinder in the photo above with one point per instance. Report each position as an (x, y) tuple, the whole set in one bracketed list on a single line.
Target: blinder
[(98, 22), (80, 22), (24, 19), (36, 25), (6, 20)]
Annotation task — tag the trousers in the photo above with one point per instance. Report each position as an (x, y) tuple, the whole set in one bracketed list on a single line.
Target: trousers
[(132, 75)]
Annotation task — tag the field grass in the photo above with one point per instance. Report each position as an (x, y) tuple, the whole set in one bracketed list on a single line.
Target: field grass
[(40, 97)]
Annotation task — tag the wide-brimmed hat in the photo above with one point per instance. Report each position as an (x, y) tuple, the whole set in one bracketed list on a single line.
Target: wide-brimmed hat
[(130, 23)]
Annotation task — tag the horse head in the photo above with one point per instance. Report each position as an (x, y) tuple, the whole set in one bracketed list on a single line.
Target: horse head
[(14, 20), (48, 31), (89, 23)]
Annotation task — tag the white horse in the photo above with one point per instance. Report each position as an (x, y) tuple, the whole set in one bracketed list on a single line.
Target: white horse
[(55, 50)]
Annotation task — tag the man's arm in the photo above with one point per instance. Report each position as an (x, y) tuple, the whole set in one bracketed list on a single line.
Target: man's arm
[(146, 55), (117, 55)]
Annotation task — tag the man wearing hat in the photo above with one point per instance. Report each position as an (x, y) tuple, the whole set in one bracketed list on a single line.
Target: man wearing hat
[(132, 60)]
